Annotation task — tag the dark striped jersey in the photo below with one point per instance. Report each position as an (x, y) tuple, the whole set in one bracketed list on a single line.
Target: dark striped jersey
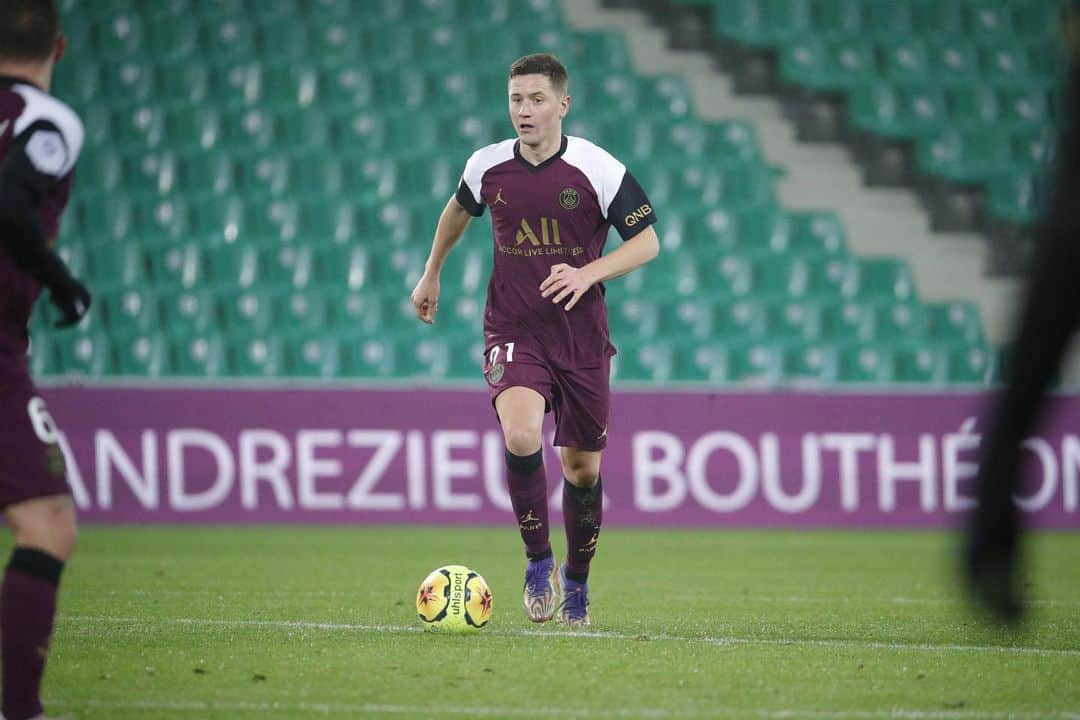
[(556, 212)]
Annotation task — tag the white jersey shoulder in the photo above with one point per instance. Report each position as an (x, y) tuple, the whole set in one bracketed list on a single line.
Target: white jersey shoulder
[(51, 152), (483, 160), (600, 167)]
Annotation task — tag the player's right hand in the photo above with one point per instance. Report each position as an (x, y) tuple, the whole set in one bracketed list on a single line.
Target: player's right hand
[(425, 299), (72, 299)]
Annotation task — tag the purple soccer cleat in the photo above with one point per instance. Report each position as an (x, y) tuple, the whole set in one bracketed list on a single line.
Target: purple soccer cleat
[(541, 592), (574, 609)]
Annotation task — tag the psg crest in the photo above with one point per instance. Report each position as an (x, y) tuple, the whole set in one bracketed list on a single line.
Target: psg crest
[(494, 373), (569, 198)]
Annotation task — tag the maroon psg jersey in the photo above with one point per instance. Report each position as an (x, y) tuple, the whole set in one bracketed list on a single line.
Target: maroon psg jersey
[(542, 215), (51, 135)]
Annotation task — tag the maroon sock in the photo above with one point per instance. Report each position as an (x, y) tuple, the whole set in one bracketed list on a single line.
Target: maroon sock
[(528, 495), (583, 510), (27, 607)]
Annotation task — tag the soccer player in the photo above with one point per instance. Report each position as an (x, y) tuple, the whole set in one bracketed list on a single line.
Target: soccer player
[(40, 139), (1049, 318), (552, 200)]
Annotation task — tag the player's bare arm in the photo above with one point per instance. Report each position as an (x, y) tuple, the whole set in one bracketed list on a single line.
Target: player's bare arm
[(566, 281), (453, 222)]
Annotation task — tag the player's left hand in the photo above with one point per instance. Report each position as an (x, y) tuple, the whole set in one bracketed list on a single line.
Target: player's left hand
[(566, 281)]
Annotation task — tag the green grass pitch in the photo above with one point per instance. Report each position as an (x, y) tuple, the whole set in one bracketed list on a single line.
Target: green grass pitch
[(305, 622)]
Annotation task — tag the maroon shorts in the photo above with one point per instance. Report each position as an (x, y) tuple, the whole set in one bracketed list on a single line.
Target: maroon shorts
[(580, 397), (31, 462)]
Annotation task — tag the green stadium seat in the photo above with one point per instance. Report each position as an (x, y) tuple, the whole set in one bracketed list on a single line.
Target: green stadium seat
[(809, 364), (247, 128), (744, 319), (794, 320), (300, 131), (133, 308), (467, 270), (128, 82), (188, 312), (288, 265), (897, 320), (905, 59), (965, 157), (884, 19), (170, 37), (734, 139), (176, 265), (755, 363), (1005, 66), (193, 128), (118, 35), (864, 364), (972, 364), (845, 320), (634, 318), (119, 264), (1014, 197), (220, 11), (138, 127), (956, 321), (142, 354), (816, 232), (1027, 107), (246, 312), (164, 218), (83, 353), (198, 354), (669, 275), (706, 361), (605, 49), (975, 105), (310, 354), (282, 37), (226, 39), (301, 308), (838, 17), (344, 266), (369, 357), (934, 18), (763, 23), (650, 361), (234, 265), (953, 59), (259, 356), (688, 318), (364, 312), (878, 278)]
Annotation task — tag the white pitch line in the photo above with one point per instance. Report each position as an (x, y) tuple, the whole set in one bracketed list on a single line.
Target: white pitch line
[(779, 599), (594, 634), (564, 712)]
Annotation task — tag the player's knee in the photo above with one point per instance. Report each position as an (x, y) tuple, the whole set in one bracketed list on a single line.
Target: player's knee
[(50, 526), (522, 439), (583, 473)]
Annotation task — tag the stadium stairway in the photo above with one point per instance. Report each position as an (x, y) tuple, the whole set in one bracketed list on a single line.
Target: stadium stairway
[(879, 220)]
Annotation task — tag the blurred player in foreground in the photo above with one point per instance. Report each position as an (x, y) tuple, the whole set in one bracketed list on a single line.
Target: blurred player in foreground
[(552, 200), (1049, 318), (40, 139)]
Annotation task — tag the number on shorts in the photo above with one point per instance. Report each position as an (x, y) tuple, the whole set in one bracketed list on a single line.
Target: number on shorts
[(41, 420), (493, 356)]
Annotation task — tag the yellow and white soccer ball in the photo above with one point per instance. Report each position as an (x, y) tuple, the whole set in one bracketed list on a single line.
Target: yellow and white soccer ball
[(454, 599)]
